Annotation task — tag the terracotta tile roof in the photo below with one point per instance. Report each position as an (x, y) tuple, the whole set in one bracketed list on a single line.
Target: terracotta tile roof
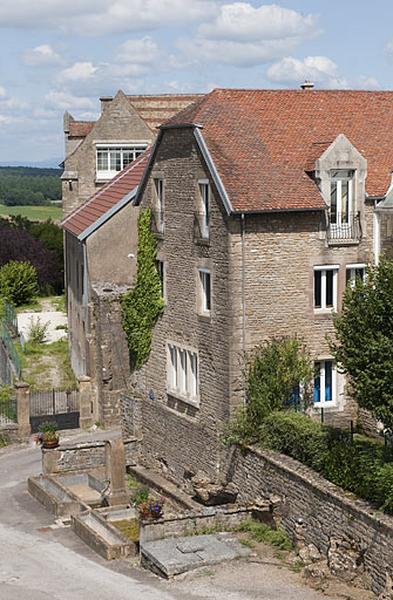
[(107, 197), (263, 142), (155, 110), (80, 128)]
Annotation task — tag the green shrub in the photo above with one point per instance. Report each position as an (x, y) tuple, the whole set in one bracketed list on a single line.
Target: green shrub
[(275, 370), (362, 465), (37, 330), (18, 282)]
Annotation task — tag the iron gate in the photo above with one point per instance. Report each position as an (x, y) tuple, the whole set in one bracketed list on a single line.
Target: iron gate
[(59, 406)]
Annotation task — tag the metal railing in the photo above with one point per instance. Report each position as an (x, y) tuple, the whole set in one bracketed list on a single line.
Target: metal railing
[(350, 230), (9, 317), (201, 227), (157, 222), (10, 349)]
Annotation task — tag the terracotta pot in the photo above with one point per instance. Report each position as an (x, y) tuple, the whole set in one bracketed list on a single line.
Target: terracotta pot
[(49, 444)]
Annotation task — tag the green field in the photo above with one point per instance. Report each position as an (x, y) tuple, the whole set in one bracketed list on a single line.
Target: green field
[(34, 213)]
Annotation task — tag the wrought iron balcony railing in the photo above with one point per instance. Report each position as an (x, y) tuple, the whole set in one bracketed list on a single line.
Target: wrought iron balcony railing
[(349, 230)]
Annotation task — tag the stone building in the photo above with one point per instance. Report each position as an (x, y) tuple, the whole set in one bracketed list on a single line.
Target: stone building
[(103, 165), (266, 203), (95, 151)]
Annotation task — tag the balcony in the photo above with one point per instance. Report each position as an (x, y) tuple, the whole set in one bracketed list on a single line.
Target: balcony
[(201, 228), (157, 222), (344, 232)]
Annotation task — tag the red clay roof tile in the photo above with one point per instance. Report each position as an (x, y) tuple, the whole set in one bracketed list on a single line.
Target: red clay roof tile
[(263, 142), (106, 197)]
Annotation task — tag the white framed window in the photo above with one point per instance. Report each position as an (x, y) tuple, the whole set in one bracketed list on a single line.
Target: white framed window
[(161, 272), (205, 291), (183, 373), (111, 158), (325, 288), (341, 197), (325, 383), (159, 194), (204, 202), (354, 272)]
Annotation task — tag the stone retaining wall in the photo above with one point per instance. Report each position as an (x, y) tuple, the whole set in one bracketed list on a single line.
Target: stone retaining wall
[(10, 433), (87, 456), (347, 531)]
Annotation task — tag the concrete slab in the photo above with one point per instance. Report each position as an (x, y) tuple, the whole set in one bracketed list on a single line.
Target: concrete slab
[(87, 494), (173, 556)]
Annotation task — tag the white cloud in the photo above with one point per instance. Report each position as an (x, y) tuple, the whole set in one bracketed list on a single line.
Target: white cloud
[(244, 35), (2, 91), (293, 70), (66, 101), (236, 53), (368, 83), (41, 56), (138, 51), (242, 22), (98, 17), (79, 71)]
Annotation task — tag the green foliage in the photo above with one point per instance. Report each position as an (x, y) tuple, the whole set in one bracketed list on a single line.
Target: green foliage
[(7, 408), (364, 341), (140, 496), (260, 532), (274, 371), (142, 306), (21, 185), (18, 282), (362, 465), (37, 330)]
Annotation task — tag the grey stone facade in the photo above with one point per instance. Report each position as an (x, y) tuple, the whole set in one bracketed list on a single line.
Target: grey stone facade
[(262, 269)]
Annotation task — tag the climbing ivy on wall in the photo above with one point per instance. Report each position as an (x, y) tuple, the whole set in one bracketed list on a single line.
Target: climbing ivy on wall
[(142, 305)]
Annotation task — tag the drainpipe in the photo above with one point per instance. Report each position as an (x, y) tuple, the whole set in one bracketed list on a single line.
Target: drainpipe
[(377, 236), (243, 228)]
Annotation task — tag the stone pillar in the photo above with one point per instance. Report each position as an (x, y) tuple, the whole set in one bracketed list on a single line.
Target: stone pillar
[(87, 402), (116, 471), (23, 409)]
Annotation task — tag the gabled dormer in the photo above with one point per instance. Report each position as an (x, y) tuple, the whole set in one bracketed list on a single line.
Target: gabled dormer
[(341, 173)]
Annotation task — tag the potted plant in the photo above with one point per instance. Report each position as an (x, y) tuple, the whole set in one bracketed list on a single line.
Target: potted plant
[(151, 508), (50, 437)]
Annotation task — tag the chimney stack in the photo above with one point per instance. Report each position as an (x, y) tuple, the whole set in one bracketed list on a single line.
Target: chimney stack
[(307, 85)]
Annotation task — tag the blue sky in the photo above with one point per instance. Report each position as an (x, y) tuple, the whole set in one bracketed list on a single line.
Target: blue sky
[(59, 55)]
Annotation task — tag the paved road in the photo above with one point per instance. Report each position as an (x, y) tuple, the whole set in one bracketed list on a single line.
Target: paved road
[(39, 562)]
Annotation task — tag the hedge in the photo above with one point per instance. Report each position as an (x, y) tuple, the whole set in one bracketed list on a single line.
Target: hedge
[(360, 465)]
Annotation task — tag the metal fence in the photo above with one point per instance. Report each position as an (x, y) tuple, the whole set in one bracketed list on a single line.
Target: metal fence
[(8, 411), (53, 402), (9, 350), (9, 317)]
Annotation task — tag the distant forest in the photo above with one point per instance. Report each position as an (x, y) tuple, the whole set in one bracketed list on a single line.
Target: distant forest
[(29, 186)]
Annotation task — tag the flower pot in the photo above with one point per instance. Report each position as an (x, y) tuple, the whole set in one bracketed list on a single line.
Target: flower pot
[(50, 444)]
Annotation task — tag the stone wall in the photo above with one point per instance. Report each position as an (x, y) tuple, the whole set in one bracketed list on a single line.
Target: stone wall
[(180, 435), (346, 531), (10, 433), (86, 456)]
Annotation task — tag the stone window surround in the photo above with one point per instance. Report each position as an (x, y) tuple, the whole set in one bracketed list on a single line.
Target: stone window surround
[(176, 392), (158, 199), (342, 155), (203, 264), (323, 268), (202, 214)]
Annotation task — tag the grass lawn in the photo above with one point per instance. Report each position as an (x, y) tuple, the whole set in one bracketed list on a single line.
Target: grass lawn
[(47, 365), (34, 213)]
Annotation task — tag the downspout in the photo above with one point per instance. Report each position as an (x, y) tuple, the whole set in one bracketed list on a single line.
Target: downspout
[(243, 300), (377, 236)]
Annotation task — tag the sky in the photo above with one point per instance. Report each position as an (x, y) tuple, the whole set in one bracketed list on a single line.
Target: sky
[(59, 55)]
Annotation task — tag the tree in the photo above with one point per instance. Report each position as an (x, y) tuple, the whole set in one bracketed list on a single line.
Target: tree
[(364, 341), (18, 282), (276, 371)]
